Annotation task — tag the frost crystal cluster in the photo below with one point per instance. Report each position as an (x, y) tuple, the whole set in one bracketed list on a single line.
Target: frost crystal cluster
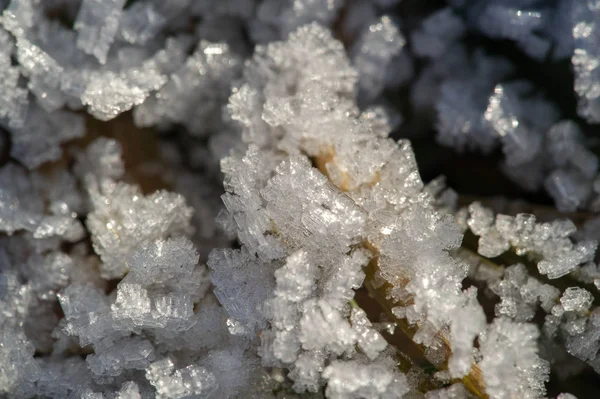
[(252, 199)]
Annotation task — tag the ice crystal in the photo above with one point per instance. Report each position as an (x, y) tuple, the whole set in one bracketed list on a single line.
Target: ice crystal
[(204, 80), (584, 58), (374, 52), (560, 254), (510, 364), (117, 230), (97, 23)]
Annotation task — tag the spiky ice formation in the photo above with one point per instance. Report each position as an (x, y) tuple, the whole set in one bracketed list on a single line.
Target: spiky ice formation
[(558, 253), (585, 56), (384, 205)]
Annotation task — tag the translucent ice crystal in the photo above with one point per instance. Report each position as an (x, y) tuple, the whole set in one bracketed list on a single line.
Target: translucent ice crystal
[(520, 25), (320, 200), (170, 262), (306, 373), (455, 391), (511, 365), (195, 92), (567, 148), (322, 327), (570, 189), (468, 321), (461, 112), (343, 277), (481, 219), (108, 94), (13, 102), (296, 280), (234, 270), (373, 53), (235, 371), (276, 19), (117, 230), (519, 143), (370, 341), (113, 358), (325, 218), (519, 294), (576, 299), (353, 379), (19, 16), (132, 304), (49, 272), (140, 23), (585, 59), (301, 69), (62, 377), (583, 343), (560, 254), (39, 139), (129, 390), (78, 300), (171, 383), (19, 207), (88, 393), (437, 33), (18, 369), (102, 158), (97, 23)]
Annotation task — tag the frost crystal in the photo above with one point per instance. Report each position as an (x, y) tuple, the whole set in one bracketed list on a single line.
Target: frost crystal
[(117, 230), (567, 148), (516, 24), (576, 300), (370, 341), (195, 92), (519, 294), (129, 390), (275, 19), (140, 23), (511, 365), (353, 379), (13, 103), (437, 33), (373, 53), (584, 58), (38, 140), (560, 253), (102, 158), (249, 276), (188, 381), (97, 23), (107, 94), (519, 143)]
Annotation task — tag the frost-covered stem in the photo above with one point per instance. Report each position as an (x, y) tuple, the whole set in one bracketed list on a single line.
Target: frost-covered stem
[(473, 381), (405, 362)]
